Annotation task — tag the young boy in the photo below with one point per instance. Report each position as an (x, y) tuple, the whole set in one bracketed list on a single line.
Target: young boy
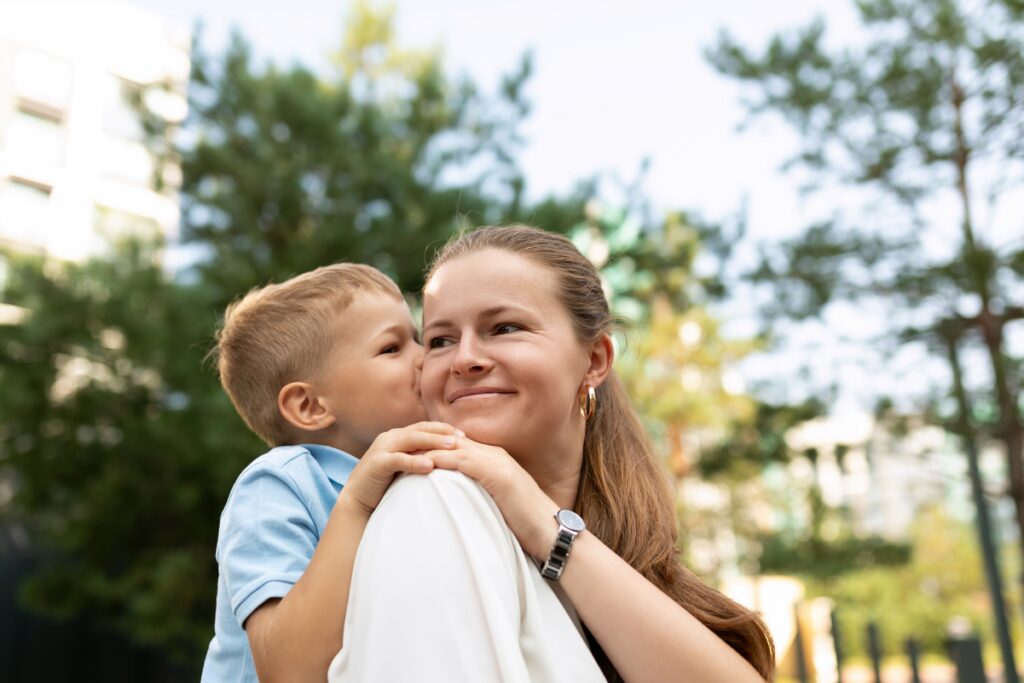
[(323, 368)]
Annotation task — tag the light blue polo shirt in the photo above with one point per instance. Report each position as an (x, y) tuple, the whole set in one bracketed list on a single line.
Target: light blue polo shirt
[(270, 526)]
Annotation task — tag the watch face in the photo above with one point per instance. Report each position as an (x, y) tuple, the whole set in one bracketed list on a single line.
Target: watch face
[(571, 520)]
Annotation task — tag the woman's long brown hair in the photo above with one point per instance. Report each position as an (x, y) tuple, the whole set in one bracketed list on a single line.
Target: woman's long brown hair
[(624, 493)]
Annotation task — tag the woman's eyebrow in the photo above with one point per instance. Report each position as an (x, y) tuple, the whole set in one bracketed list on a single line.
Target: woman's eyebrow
[(437, 323), (491, 312), (500, 310)]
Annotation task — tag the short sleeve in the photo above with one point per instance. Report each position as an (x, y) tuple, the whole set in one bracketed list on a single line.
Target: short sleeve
[(267, 538)]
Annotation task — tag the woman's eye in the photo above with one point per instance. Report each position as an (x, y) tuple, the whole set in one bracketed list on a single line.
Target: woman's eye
[(505, 328), (437, 342)]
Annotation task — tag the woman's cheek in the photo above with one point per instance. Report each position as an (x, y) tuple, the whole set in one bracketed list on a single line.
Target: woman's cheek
[(430, 393)]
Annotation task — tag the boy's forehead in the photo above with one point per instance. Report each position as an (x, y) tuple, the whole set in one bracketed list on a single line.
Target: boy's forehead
[(369, 315)]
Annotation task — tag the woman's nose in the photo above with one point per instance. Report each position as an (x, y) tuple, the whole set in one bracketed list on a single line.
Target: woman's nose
[(469, 357)]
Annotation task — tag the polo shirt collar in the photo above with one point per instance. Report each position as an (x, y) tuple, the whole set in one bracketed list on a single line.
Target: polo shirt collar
[(337, 464)]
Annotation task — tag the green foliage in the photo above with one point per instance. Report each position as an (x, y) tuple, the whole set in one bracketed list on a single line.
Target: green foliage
[(934, 94), (816, 557), (943, 579), (925, 112), (288, 172), (121, 447), (752, 445)]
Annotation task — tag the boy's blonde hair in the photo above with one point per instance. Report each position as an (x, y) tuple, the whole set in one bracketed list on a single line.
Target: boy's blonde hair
[(282, 333)]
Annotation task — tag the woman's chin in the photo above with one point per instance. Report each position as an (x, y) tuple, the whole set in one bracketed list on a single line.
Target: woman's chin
[(485, 431)]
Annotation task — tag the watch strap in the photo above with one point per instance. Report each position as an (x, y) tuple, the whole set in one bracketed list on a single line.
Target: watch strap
[(559, 555)]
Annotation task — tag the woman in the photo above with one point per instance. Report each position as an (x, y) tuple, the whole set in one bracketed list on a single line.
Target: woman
[(518, 355)]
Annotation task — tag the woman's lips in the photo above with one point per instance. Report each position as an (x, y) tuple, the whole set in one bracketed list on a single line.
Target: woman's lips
[(477, 393)]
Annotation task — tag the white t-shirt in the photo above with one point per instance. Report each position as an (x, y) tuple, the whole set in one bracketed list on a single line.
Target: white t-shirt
[(442, 591)]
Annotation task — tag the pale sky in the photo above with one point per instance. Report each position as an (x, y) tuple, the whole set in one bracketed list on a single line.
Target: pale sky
[(614, 82)]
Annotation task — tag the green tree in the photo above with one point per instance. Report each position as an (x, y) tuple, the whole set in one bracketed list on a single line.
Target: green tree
[(927, 110), (378, 163), (118, 444)]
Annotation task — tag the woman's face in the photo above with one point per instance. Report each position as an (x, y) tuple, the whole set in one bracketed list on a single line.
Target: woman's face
[(502, 361)]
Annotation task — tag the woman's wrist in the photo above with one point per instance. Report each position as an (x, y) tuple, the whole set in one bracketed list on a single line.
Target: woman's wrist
[(544, 536)]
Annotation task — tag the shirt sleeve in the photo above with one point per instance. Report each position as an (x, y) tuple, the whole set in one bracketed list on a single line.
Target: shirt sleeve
[(267, 539), (442, 591)]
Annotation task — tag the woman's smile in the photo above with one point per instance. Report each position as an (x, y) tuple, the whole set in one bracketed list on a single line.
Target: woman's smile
[(472, 394)]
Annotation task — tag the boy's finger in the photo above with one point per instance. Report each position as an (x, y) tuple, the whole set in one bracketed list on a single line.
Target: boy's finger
[(408, 442), (415, 464), (445, 459), (435, 427)]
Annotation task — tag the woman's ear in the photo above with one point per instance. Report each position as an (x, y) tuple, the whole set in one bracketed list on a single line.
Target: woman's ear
[(602, 355), (302, 408)]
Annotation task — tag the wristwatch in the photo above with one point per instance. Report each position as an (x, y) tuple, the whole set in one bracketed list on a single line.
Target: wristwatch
[(570, 525)]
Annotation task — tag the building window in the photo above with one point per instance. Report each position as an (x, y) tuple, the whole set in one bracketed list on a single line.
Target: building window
[(36, 136), (122, 100), (24, 209), (127, 161), (114, 224), (43, 79)]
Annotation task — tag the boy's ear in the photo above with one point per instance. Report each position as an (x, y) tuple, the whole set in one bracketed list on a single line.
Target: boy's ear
[(300, 405), (602, 355)]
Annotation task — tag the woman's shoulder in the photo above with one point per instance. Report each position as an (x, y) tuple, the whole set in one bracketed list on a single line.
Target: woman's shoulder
[(445, 506), (439, 486)]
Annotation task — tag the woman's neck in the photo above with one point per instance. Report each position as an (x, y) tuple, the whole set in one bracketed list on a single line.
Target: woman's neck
[(556, 470), (562, 489)]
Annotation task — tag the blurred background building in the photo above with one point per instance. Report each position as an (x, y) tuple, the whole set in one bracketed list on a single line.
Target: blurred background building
[(73, 166), (876, 476)]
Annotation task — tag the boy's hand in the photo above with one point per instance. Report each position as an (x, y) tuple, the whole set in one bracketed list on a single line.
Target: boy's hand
[(528, 511), (394, 452)]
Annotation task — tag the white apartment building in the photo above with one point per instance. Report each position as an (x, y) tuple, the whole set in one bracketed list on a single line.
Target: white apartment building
[(877, 478), (73, 166)]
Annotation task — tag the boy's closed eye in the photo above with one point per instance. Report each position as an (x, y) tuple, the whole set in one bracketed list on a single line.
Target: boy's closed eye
[(392, 346)]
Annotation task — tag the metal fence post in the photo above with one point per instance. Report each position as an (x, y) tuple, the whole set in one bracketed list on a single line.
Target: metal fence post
[(965, 651), (837, 644), (914, 655), (798, 650), (875, 650)]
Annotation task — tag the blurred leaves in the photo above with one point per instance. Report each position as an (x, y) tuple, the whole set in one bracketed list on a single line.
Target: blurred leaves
[(120, 447), (285, 170), (942, 578)]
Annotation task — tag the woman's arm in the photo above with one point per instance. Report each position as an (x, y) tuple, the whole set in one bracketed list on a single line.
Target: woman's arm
[(646, 634)]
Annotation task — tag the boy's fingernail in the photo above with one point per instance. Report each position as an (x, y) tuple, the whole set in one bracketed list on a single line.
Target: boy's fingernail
[(461, 434), (449, 441)]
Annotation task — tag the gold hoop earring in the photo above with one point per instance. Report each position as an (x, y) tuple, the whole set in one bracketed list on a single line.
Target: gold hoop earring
[(588, 403)]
